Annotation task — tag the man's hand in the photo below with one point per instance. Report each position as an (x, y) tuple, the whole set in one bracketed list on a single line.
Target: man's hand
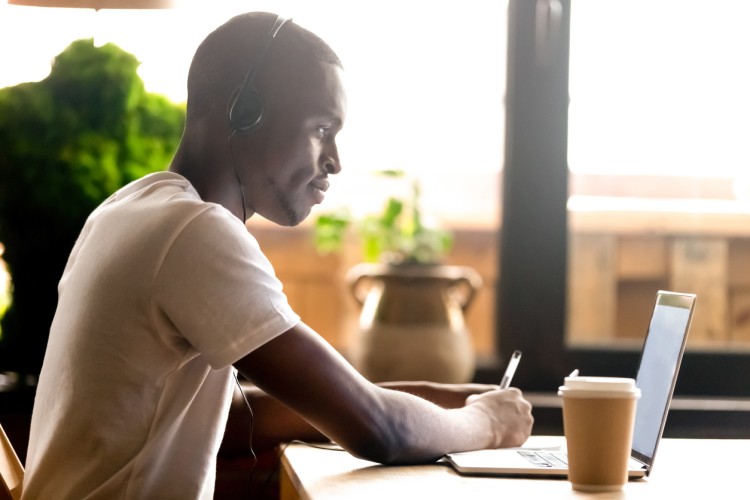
[(509, 414)]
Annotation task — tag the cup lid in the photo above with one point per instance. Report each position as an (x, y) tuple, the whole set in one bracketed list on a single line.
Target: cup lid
[(600, 384)]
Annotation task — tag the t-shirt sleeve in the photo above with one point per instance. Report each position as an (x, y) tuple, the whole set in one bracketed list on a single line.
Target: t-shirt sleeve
[(219, 290)]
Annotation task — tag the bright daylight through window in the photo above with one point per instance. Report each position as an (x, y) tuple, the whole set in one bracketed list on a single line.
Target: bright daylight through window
[(660, 88), (425, 81)]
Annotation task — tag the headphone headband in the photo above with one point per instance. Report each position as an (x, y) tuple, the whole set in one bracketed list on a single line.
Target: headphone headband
[(246, 109)]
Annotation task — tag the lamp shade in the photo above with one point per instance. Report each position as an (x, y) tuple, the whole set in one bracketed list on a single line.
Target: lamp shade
[(98, 4)]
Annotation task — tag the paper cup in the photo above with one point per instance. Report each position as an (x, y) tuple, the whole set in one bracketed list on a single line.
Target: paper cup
[(598, 417)]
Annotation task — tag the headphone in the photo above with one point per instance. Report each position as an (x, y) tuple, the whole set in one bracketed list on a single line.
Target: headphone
[(246, 108)]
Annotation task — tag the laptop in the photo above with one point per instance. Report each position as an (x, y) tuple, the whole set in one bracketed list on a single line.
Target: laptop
[(656, 377)]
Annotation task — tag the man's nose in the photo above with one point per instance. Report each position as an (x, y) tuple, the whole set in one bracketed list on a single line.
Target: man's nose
[(331, 162)]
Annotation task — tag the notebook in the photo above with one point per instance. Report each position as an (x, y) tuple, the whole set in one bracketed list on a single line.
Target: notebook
[(656, 377)]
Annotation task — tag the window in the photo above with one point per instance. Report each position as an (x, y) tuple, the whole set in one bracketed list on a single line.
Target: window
[(658, 162), (650, 127)]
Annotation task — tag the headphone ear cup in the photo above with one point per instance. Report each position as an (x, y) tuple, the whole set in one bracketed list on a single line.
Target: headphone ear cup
[(246, 113)]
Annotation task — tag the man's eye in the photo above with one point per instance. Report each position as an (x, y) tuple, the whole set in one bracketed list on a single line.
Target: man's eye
[(321, 131)]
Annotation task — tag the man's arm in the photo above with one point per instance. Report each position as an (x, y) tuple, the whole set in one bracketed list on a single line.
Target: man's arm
[(273, 423), (302, 371)]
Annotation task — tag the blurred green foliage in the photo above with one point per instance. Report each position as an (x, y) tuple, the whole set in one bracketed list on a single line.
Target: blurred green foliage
[(66, 143)]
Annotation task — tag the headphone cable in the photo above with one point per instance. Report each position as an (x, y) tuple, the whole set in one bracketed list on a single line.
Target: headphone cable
[(237, 176)]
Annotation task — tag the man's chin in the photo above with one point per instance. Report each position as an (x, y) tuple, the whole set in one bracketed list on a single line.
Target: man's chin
[(289, 218)]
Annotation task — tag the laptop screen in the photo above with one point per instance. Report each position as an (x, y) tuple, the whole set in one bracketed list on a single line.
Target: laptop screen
[(657, 372)]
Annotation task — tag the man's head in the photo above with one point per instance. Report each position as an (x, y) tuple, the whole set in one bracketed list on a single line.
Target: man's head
[(284, 161)]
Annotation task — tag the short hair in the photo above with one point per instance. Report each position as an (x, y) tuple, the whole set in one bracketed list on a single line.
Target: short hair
[(224, 57)]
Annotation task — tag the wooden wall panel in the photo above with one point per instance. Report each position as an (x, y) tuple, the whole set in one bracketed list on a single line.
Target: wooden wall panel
[(739, 263), (612, 282), (592, 288), (699, 265), (642, 258), (740, 318)]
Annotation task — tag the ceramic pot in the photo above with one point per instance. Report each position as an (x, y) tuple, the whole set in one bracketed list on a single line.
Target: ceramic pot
[(411, 325)]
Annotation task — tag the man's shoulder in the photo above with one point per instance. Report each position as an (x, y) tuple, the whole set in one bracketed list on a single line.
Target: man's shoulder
[(158, 196), (163, 183), (167, 205)]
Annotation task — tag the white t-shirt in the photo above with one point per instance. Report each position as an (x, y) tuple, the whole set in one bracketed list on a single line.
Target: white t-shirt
[(161, 294)]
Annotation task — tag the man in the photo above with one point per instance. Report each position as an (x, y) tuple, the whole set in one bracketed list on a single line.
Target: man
[(166, 292)]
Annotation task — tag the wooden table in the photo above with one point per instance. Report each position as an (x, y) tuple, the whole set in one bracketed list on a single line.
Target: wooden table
[(682, 469)]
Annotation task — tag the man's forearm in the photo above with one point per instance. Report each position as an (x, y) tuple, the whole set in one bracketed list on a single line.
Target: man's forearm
[(445, 395)]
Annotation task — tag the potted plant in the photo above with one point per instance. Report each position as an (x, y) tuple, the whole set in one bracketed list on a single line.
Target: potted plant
[(412, 318), (397, 235)]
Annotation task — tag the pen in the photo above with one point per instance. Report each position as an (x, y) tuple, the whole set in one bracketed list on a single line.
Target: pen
[(512, 365)]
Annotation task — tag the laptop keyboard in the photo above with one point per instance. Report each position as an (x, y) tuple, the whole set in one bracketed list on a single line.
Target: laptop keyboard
[(549, 459)]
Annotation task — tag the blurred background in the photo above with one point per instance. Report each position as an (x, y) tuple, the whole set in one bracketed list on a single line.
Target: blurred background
[(583, 153)]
